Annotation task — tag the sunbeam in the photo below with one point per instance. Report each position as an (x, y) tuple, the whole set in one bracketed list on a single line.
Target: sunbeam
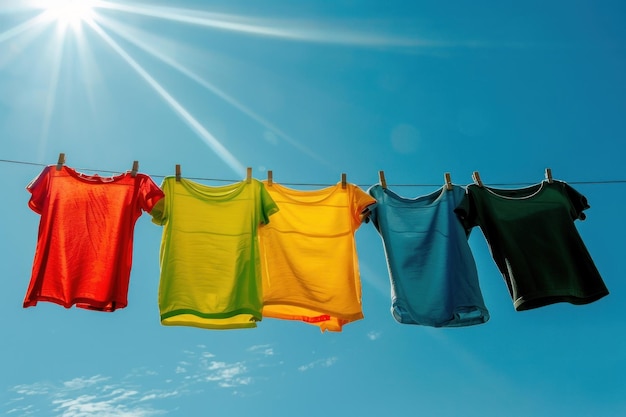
[(10, 33), (90, 69), (20, 37), (57, 46), (133, 37), (295, 30), (208, 138)]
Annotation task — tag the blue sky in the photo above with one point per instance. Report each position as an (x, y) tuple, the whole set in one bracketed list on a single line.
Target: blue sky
[(311, 90)]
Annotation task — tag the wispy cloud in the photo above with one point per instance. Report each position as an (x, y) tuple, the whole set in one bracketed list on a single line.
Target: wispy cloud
[(320, 363), (83, 396), (23, 411), (224, 374), (143, 392), (38, 388), (373, 335), (159, 395), (80, 383), (257, 347), (111, 404), (228, 374), (266, 350)]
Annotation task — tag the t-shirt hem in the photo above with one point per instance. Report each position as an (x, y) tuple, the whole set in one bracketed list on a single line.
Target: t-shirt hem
[(461, 317), (184, 323), (79, 302), (170, 319), (325, 320), (557, 296), (322, 315)]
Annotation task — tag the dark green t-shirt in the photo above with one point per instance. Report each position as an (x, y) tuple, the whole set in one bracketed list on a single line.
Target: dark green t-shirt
[(534, 242)]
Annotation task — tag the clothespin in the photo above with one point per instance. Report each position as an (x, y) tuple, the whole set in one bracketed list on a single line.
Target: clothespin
[(476, 178), (381, 178), (133, 172), (448, 181), (343, 180), (270, 177), (177, 172), (248, 175), (549, 175), (61, 161)]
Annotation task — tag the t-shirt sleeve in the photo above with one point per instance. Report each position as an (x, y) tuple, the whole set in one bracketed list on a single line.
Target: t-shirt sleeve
[(38, 188), (373, 209), (466, 211), (578, 202), (159, 209), (360, 201), (267, 205), (149, 194)]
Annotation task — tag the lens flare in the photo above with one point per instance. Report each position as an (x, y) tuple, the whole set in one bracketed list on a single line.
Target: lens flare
[(69, 12)]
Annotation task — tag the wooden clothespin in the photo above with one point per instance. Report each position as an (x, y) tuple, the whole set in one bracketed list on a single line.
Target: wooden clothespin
[(549, 175), (177, 172), (476, 178), (270, 177), (133, 172), (248, 175), (343, 180), (382, 180), (61, 161), (448, 181)]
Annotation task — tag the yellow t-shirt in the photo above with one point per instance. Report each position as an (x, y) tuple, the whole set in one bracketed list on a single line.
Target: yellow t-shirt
[(210, 264), (309, 258)]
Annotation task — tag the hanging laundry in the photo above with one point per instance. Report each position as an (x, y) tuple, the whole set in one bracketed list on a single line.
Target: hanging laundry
[(84, 248), (310, 268), (433, 275), (210, 264), (535, 243)]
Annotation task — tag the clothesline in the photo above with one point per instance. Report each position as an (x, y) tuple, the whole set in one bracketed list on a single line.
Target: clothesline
[(610, 181), (225, 265)]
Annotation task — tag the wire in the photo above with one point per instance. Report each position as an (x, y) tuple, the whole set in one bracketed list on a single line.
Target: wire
[(9, 161)]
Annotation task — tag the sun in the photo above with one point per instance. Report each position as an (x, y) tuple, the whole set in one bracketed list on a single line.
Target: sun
[(69, 12)]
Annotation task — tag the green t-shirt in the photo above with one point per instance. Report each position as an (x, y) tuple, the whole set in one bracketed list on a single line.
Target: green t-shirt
[(210, 264), (534, 242)]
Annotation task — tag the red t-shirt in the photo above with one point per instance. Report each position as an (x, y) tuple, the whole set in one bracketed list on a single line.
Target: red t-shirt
[(85, 242)]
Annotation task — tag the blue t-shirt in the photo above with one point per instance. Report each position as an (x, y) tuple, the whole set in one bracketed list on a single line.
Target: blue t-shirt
[(434, 281)]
